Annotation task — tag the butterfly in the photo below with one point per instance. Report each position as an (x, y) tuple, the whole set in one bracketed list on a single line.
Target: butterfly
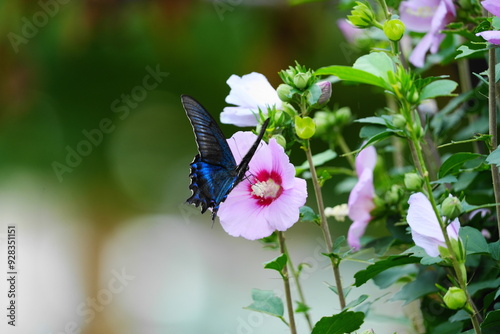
[(214, 172)]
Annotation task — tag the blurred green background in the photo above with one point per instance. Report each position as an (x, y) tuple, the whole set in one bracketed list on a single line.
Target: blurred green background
[(72, 73)]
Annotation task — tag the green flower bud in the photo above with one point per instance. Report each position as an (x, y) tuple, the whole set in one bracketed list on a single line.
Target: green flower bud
[(412, 95), (280, 140), (301, 80), (455, 298), (451, 207), (324, 121), (394, 29), (342, 116), (285, 92), (399, 121), (362, 16), (393, 196), (413, 181), (304, 127), (289, 109)]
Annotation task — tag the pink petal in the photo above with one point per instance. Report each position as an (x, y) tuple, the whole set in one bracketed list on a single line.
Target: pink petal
[(417, 14), (284, 212), (349, 31), (282, 166), (492, 6), (356, 231), (360, 201), (366, 159), (492, 36)]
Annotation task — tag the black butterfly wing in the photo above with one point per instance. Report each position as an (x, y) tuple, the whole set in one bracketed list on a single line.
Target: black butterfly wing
[(213, 171)]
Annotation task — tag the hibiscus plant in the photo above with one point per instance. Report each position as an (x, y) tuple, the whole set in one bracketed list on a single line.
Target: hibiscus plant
[(422, 206)]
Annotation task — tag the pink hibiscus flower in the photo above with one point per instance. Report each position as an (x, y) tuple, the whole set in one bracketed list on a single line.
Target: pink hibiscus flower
[(269, 199), (430, 16), (425, 229), (360, 201), (249, 93), (492, 36)]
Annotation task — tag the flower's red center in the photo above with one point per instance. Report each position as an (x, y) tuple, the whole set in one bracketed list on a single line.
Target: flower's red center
[(266, 187)]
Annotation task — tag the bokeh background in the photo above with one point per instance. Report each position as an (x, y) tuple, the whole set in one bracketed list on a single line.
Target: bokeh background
[(105, 241)]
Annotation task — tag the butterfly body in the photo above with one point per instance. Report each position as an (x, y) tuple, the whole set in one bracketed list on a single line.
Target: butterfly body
[(214, 172)]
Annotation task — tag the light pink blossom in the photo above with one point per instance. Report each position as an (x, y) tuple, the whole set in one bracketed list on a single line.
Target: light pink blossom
[(430, 16), (425, 229), (269, 199), (492, 6), (491, 36), (249, 93), (360, 201)]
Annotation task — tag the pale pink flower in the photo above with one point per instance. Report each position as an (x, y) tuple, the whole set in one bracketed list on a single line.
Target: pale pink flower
[(491, 36), (430, 16), (360, 201), (249, 93), (492, 6), (350, 32), (269, 199), (425, 229)]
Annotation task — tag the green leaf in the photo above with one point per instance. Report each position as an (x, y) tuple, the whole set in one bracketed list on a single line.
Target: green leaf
[(473, 240), (447, 328), (494, 249), (301, 307), (348, 73), (373, 270), (376, 63), (344, 322), (318, 160), (265, 301), (308, 215), (478, 286), (339, 242), (424, 284), (377, 138), (372, 120), (356, 302), (453, 164), (277, 264), (446, 179), (437, 88), (492, 320), (494, 157), (465, 51), (390, 276)]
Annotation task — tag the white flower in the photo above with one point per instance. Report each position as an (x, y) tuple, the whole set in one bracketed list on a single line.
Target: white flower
[(339, 212), (249, 93)]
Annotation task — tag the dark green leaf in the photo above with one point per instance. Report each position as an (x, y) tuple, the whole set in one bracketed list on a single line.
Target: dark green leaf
[(372, 120), (277, 264), (447, 328), (453, 164), (437, 88), (377, 138), (492, 320), (373, 270), (424, 284), (318, 160), (494, 249), (390, 276), (265, 301), (478, 286), (344, 322), (446, 179), (348, 73), (465, 51), (473, 240)]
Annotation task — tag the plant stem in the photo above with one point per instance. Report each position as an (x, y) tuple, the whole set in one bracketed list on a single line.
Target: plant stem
[(295, 275), (324, 226), (493, 128), (345, 149), (420, 162), (286, 282)]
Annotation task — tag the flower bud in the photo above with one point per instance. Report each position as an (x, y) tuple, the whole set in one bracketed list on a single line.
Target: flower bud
[(326, 92), (394, 194), (455, 298), (301, 80), (413, 182), (285, 92), (394, 29), (280, 140), (451, 207), (304, 127), (289, 109), (399, 121), (342, 116), (339, 212), (362, 16)]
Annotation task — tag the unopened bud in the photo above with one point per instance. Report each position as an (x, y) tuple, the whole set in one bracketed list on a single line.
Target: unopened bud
[(399, 121), (451, 207), (362, 16), (301, 80), (284, 92), (280, 140), (326, 92), (455, 298), (413, 181), (304, 127), (394, 29)]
